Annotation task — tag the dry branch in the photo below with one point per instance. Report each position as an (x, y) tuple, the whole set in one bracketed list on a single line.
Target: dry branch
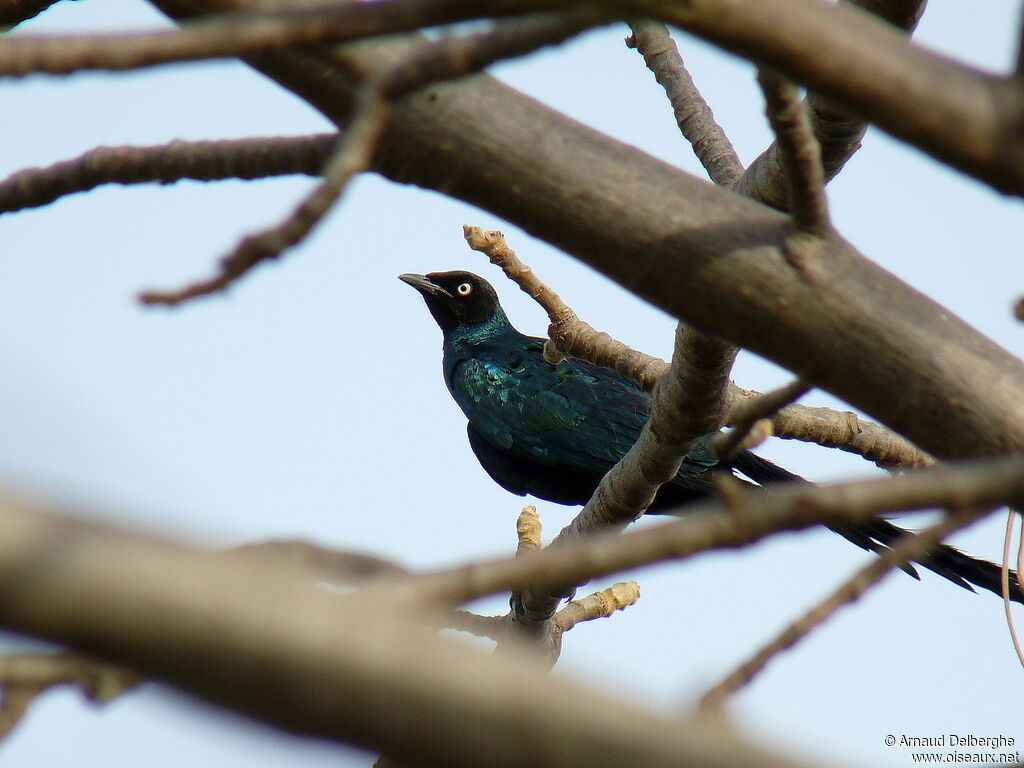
[(693, 116), (287, 653), (13, 12), (837, 131), (744, 416), (799, 152), (252, 158), (742, 519), (26, 676), (901, 552), (445, 59)]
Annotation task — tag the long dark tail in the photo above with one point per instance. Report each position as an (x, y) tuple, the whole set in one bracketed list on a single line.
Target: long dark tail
[(948, 562)]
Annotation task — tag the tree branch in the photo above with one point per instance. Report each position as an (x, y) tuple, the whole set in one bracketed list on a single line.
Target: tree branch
[(745, 415), (900, 553), (799, 152), (285, 652), (693, 115), (251, 158), (576, 338), (837, 131), (742, 519), (26, 676), (445, 59)]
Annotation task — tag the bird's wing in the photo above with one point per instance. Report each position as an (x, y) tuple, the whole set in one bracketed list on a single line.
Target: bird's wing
[(570, 414)]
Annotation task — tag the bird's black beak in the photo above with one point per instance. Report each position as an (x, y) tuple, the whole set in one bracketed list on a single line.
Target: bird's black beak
[(424, 285)]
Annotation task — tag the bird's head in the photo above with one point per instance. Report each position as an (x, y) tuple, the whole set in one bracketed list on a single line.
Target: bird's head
[(455, 298)]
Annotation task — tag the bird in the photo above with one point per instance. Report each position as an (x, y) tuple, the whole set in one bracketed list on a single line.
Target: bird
[(553, 429)]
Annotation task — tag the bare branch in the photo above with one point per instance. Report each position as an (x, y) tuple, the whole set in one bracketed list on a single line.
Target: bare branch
[(246, 32), (446, 59), (26, 676), (599, 605), (745, 415), (251, 158), (294, 651), (687, 403), (800, 153), (528, 530), (693, 115), (837, 131), (746, 518), (354, 155), (901, 552)]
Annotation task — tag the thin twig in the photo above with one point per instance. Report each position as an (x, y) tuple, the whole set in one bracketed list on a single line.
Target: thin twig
[(574, 337), (801, 155), (354, 155), (1005, 581), (598, 605), (250, 158), (908, 548), (694, 117), (243, 33), (445, 59), (745, 415)]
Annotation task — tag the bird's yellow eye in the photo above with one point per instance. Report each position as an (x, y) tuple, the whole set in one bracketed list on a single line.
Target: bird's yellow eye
[(464, 289)]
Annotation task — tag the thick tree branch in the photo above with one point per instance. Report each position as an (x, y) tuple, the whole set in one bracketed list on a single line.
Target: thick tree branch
[(253, 158), (345, 667), (693, 115)]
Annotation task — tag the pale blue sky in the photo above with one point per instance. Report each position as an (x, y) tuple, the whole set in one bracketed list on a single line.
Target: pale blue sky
[(309, 401)]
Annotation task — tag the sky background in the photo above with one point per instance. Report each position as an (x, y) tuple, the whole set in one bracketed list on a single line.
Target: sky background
[(308, 401)]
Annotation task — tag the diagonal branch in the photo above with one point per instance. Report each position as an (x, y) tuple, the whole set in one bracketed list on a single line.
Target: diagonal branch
[(746, 414), (799, 152), (740, 520), (14, 12), (446, 59), (251, 158), (837, 131), (354, 155), (901, 552), (693, 115)]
